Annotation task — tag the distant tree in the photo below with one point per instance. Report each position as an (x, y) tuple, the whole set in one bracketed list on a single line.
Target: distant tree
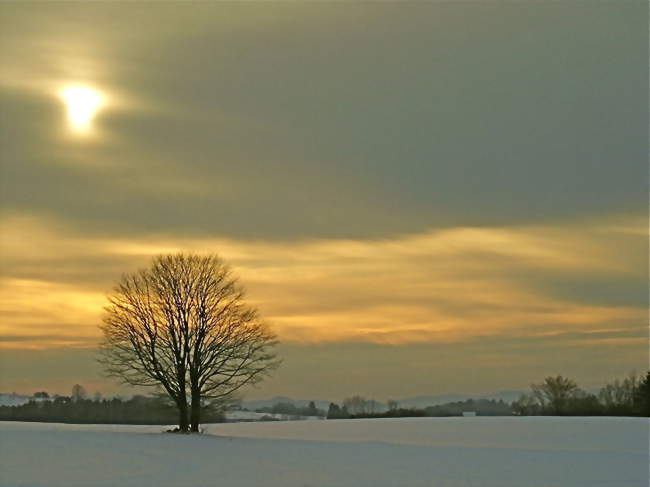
[(554, 393), (482, 407), (311, 409), (334, 411), (642, 396), (41, 394), (61, 399), (182, 325), (526, 405), (392, 405), (286, 408), (618, 396), (583, 404), (337, 412), (356, 405), (137, 410), (345, 414), (78, 393)]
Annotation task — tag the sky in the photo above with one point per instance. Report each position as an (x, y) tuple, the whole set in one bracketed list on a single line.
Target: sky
[(421, 199)]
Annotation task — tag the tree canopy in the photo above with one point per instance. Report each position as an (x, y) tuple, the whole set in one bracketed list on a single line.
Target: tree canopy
[(182, 325)]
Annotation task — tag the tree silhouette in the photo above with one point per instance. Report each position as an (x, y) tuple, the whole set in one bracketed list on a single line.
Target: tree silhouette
[(619, 395), (182, 325), (642, 396), (78, 392), (555, 392)]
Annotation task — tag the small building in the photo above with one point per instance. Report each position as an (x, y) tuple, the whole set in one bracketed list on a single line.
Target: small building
[(469, 414)]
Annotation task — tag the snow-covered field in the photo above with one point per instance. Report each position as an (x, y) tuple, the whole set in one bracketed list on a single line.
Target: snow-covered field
[(436, 452)]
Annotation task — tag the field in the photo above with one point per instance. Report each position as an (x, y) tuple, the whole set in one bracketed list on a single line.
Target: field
[(436, 452)]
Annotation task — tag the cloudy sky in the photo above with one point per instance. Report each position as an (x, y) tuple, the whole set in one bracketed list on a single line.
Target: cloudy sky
[(422, 198)]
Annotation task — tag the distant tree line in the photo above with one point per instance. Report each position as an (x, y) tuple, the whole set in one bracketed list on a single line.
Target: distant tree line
[(356, 408), (77, 409), (555, 396), (290, 409), (561, 396), (482, 407)]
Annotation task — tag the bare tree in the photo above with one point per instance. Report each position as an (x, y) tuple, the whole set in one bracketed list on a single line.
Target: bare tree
[(555, 392), (182, 325), (230, 346), (356, 404), (620, 394), (526, 405)]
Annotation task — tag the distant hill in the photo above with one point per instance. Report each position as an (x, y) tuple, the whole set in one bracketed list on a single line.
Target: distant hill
[(263, 403), (419, 402), (424, 401)]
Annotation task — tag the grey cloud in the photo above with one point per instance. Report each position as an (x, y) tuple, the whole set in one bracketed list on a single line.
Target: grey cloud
[(606, 290), (292, 121), (336, 120)]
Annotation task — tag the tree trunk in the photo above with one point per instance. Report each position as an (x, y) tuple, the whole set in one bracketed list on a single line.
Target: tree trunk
[(183, 424), (195, 417)]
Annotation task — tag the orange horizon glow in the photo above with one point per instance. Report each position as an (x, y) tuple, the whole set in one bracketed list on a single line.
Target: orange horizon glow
[(446, 286)]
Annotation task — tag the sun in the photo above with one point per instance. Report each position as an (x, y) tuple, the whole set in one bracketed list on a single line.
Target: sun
[(82, 103)]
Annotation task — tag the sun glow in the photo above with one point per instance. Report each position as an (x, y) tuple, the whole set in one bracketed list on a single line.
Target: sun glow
[(82, 104)]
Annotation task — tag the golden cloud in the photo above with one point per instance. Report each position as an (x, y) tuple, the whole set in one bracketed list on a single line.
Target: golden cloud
[(443, 286)]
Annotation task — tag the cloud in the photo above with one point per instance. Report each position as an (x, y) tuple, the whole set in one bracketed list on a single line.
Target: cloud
[(440, 175), (441, 286), (291, 122)]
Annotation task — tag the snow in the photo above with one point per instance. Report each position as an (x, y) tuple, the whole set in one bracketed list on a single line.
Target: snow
[(437, 452)]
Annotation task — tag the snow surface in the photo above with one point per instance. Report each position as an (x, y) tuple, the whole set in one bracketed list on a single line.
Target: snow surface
[(436, 452)]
